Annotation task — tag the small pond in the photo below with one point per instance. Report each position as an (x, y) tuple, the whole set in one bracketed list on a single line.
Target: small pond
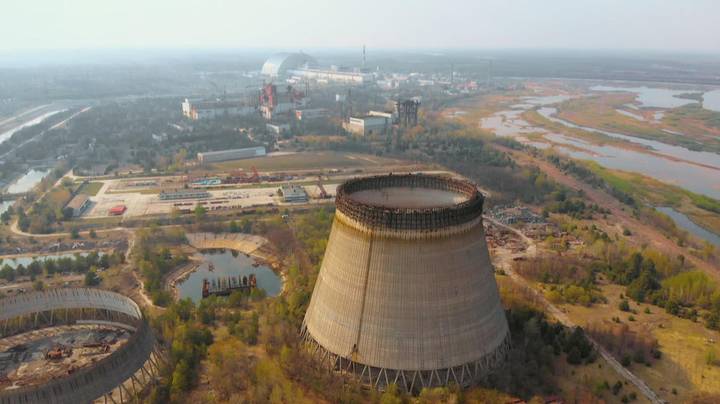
[(227, 263)]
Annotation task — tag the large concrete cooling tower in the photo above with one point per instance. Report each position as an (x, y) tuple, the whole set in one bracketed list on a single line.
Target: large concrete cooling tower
[(406, 292)]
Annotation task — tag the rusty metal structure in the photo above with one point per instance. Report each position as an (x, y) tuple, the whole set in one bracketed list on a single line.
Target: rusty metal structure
[(117, 378), (407, 112), (406, 292)]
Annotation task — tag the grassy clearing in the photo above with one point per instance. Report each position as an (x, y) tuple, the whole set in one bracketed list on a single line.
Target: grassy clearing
[(90, 188), (308, 161), (579, 383), (693, 119), (683, 343)]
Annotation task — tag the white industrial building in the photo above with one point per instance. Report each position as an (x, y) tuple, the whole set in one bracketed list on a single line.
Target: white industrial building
[(277, 128), (211, 109), (311, 113), (367, 125), (234, 154)]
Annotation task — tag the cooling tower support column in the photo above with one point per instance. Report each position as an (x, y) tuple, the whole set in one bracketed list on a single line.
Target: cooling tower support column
[(406, 293)]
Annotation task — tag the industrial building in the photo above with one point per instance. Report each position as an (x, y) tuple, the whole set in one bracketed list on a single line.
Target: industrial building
[(309, 114), (277, 128), (233, 154), (293, 193), (211, 109), (274, 102), (79, 203), (406, 293), (183, 194), (367, 125), (304, 67)]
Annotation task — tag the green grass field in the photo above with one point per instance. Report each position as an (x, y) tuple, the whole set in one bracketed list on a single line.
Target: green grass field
[(90, 188), (308, 161)]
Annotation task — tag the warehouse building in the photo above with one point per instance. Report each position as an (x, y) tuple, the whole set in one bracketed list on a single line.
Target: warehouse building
[(293, 193), (79, 204), (212, 109), (311, 113), (233, 154), (277, 128), (183, 194), (367, 125)]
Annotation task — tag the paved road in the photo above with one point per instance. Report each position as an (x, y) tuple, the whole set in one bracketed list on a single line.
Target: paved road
[(565, 320)]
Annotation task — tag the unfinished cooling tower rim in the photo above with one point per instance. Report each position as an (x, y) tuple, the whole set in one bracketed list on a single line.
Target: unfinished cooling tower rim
[(419, 234), (137, 360), (379, 216)]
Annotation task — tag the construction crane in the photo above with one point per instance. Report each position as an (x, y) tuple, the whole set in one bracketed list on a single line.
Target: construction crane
[(323, 192), (241, 177)]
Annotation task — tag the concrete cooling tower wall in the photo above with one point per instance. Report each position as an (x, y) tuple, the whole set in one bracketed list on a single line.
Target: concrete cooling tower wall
[(406, 292)]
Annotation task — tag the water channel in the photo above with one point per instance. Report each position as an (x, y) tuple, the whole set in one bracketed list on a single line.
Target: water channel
[(685, 223)]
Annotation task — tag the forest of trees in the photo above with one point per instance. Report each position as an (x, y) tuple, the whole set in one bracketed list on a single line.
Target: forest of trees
[(153, 258)]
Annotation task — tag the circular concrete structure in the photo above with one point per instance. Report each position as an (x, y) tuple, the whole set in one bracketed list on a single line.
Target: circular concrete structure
[(406, 292), (108, 377)]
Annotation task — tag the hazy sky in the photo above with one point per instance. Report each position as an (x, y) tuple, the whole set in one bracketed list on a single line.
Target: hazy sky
[(604, 24)]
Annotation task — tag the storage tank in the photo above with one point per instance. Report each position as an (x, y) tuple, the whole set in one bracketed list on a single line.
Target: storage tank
[(406, 292)]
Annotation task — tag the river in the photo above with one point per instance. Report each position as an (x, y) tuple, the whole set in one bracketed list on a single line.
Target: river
[(8, 134), (711, 100), (5, 205), (694, 177), (27, 181), (684, 222)]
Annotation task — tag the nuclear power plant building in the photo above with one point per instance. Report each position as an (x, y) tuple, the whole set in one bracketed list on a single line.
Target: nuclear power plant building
[(305, 67), (406, 292)]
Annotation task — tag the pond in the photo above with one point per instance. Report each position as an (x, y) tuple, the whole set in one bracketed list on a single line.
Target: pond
[(27, 181), (685, 223), (227, 263)]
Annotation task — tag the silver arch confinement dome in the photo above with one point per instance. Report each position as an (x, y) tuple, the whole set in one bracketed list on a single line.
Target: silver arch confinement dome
[(406, 292)]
